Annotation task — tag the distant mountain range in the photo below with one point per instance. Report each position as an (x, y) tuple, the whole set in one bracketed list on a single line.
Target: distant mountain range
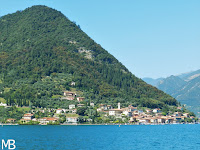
[(185, 88)]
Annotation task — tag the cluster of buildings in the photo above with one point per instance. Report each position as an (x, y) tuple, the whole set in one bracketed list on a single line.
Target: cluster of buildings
[(70, 119), (42, 121), (133, 114), (158, 118), (149, 116), (69, 95)]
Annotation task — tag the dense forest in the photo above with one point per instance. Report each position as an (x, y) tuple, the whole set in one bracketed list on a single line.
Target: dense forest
[(42, 52)]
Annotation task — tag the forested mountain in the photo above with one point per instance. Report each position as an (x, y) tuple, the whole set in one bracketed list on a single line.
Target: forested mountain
[(42, 52), (184, 87)]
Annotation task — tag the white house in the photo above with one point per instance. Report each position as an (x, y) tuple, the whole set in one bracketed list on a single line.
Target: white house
[(103, 107), (131, 108), (169, 120), (115, 112), (177, 119), (43, 120), (186, 114), (2, 104), (10, 120), (69, 95), (161, 119), (80, 105), (109, 107), (140, 111), (72, 120), (73, 83), (148, 111), (34, 119), (177, 114), (28, 116), (127, 112), (154, 120), (74, 111), (59, 111), (80, 99), (156, 110), (144, 120), (72, 106), (92, 104), (46, 120)]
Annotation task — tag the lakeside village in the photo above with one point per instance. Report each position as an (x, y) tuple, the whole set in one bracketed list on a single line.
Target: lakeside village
[(99, 114)]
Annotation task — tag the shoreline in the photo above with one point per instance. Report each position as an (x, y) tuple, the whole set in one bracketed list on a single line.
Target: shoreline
[(94, 124)]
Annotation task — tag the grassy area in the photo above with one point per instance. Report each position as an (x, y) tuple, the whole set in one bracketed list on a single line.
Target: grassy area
[(2, 100), (26, 109), (72, 115), (56, 96), (79, 93), (7, 89)]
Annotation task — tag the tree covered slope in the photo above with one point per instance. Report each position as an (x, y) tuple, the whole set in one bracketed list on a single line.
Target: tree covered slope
[(42, 52)]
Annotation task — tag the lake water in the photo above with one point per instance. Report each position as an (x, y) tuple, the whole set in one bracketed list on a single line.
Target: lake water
[(100, 137)]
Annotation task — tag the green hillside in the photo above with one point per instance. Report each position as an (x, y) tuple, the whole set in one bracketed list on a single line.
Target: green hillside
[(42, 52)]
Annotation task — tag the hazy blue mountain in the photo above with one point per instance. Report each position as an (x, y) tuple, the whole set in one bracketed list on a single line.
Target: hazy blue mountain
[(183, 75), (190, 94), (185, 88), (171, 84), (190, 91), (191, 75), (152, 81)]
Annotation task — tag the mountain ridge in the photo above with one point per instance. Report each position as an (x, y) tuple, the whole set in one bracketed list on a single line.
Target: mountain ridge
[(185, 88), (42, 52)]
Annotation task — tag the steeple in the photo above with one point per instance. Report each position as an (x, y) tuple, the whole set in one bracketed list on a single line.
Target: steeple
[(119, 105)]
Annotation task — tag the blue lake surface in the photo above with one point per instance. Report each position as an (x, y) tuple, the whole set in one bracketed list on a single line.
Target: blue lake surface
[(108, 137)]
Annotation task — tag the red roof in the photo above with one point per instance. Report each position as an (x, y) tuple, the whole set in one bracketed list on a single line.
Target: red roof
[(25, 119), (102, 104), (50, 118), (115, 110), (28, 115), (10, 119)]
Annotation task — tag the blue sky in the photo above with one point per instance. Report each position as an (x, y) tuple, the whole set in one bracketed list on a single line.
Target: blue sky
[(152, 38)]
